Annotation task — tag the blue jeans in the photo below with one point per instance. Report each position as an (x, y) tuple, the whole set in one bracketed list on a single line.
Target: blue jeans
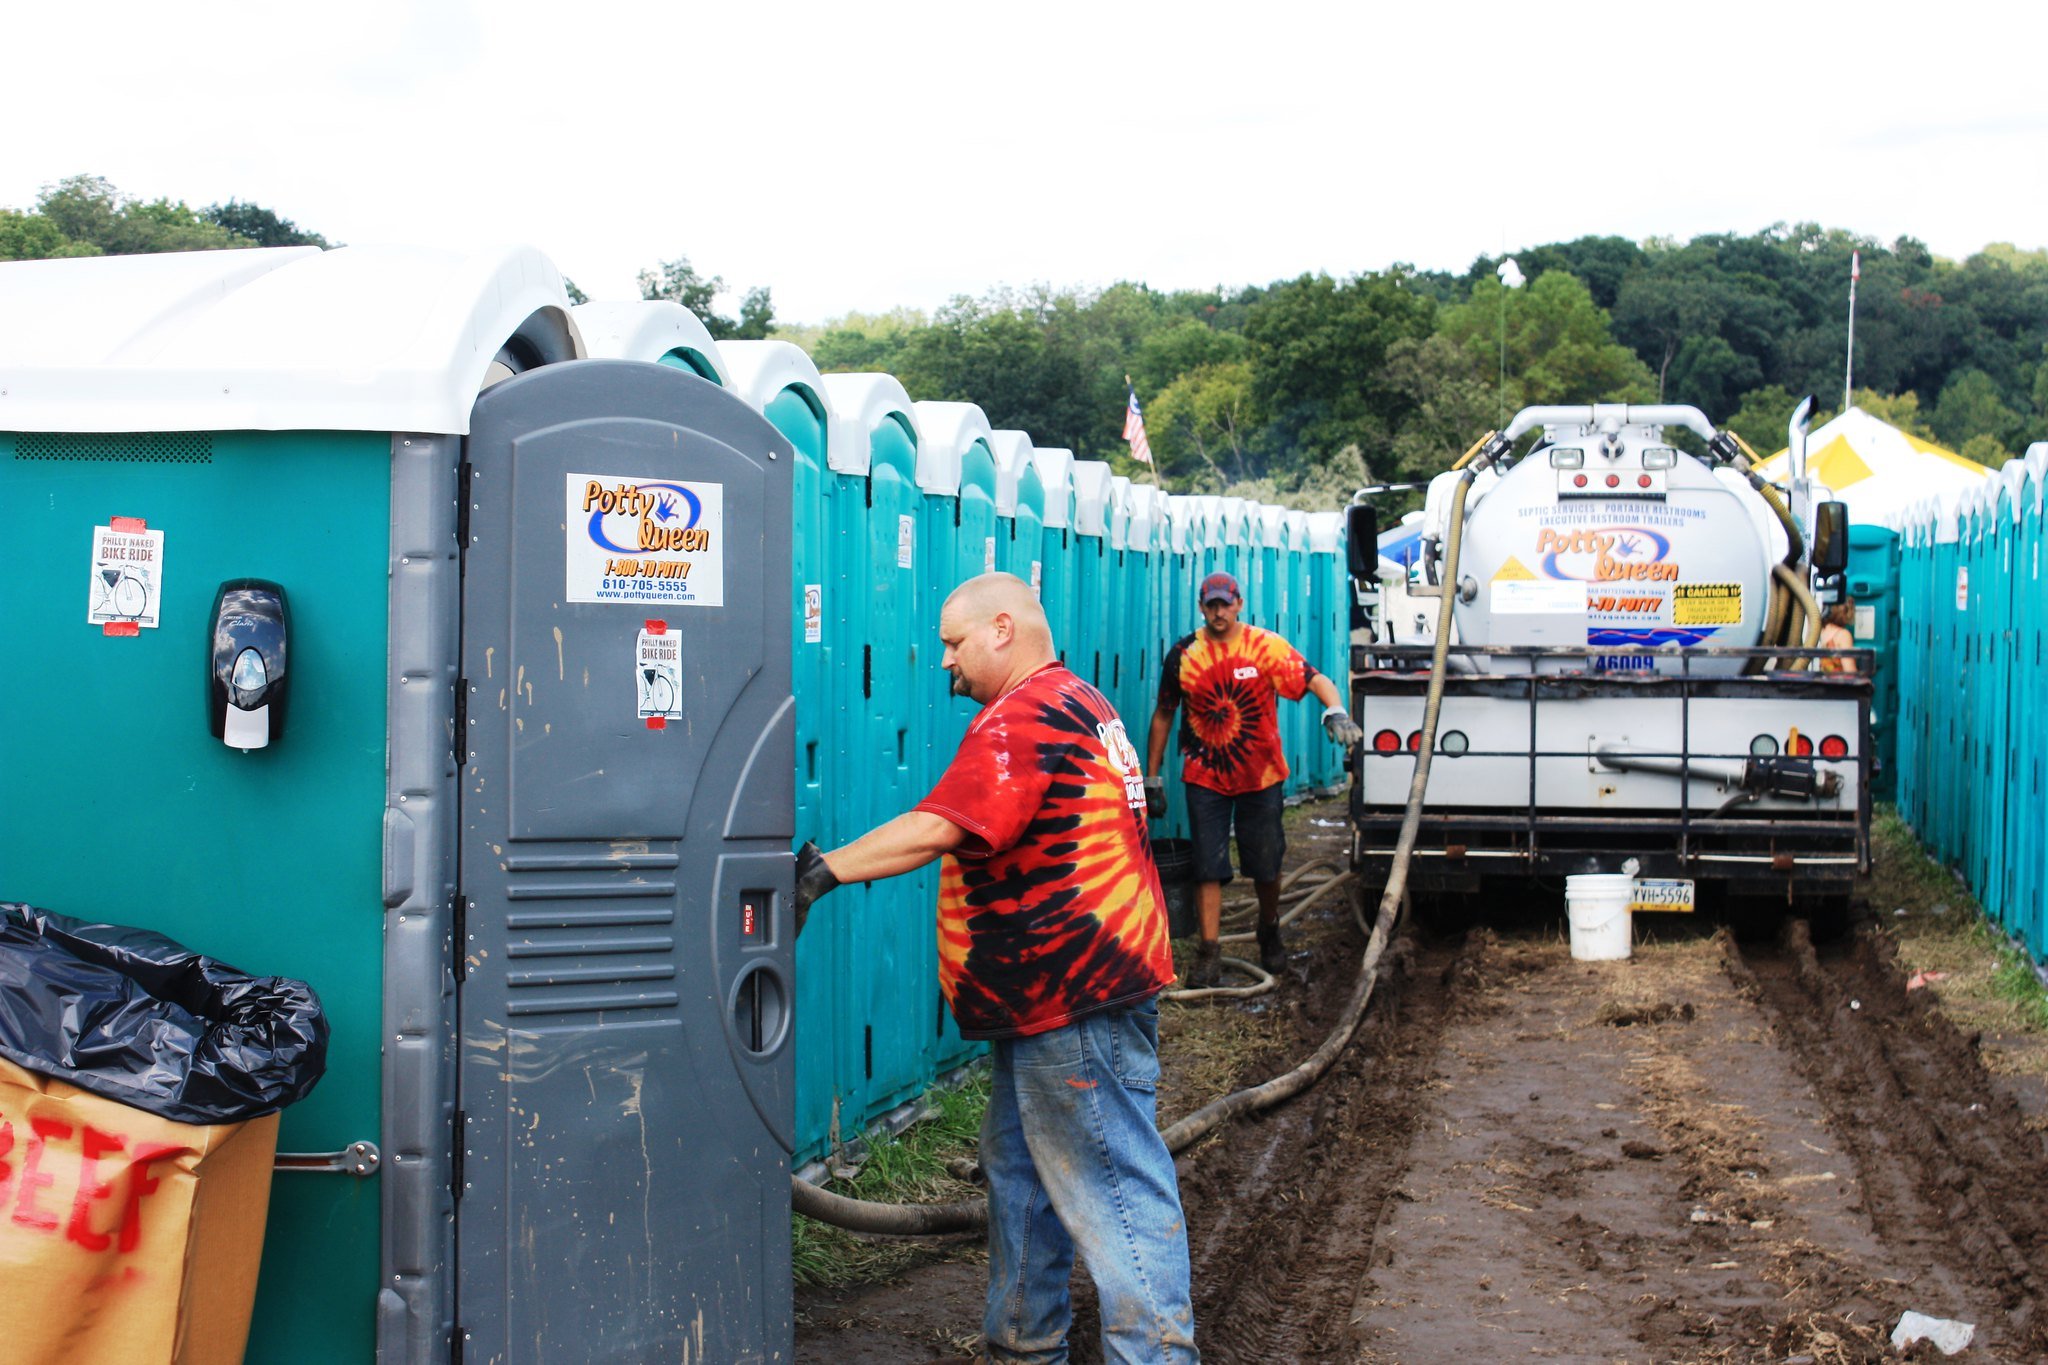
[(1071, 1148)]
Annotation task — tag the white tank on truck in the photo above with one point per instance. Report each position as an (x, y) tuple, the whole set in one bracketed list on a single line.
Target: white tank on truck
[(1627, 683)]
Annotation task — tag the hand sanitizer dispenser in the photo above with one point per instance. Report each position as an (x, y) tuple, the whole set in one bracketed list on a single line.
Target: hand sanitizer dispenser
[(247, 673)]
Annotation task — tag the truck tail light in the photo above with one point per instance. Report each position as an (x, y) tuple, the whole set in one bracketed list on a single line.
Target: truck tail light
[(1764, 746), (1386, 742), (1801, 747), (1415, 742), (1454, 743), (1834, 746)]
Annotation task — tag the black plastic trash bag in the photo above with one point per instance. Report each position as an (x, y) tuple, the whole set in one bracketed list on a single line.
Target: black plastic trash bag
[(132, 1016)]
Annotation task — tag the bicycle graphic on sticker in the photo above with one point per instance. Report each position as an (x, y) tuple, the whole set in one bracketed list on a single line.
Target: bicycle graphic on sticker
[(127, 577)]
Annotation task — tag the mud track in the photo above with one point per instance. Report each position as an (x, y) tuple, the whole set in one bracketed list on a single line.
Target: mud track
[(1711, 1152)]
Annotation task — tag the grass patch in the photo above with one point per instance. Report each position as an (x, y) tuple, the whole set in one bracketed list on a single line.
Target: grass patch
[(1987, 983), (909, 1168)]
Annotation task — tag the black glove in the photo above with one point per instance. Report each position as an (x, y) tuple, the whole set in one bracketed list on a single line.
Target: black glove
[(1341, 729), (1155, 797), (813, 879)]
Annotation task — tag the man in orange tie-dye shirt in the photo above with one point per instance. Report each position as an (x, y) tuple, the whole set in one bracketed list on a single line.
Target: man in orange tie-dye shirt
[(1052, 945), (1227, 678)]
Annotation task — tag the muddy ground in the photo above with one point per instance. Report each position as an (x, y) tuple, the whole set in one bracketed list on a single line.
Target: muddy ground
[(1717, 1150)]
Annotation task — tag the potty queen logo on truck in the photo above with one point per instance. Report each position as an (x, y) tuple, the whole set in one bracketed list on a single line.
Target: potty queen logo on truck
[(654, 541)]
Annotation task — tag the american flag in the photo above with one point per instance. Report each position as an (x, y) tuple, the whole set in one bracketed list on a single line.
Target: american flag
[(1134, 430)]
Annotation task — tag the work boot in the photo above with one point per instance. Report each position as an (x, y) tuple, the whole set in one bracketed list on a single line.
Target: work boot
[(1208, 966), (1272, 952)]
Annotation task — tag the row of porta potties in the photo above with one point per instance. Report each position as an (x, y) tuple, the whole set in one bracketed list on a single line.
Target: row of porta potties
[(477, 659), (1973, 673)]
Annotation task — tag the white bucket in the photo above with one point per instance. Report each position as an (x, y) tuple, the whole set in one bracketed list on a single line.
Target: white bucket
[(1597, 905)]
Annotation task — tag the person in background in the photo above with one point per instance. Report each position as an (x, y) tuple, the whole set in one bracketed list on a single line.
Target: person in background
[(1837, 631), (1228, 676), (1053, 947)]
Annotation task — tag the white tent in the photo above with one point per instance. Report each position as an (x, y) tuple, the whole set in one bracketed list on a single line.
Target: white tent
[(1877, 469)]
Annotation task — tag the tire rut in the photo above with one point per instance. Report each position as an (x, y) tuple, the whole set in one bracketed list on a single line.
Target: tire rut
[(1283, 1212)]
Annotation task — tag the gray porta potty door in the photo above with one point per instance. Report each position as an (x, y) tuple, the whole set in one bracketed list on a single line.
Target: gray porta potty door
[(625, 1078)]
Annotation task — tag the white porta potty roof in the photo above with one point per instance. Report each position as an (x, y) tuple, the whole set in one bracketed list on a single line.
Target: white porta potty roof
[(947, 430), (1091, 497), (1183, 514), (1012, 450), (860, 404), (1234, 520), (361, 338), (758, 371), (643, 330), (1055, 465), (1119, 512), (1325, 531), (1297, 530), (1269, 525)]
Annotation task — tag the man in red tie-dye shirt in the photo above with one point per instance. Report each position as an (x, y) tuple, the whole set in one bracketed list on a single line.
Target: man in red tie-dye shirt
[(1052, 945), (1227, 678)]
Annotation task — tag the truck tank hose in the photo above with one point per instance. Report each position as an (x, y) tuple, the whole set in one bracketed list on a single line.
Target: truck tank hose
[(1777, 622), (926, 1220), (1809, 611)]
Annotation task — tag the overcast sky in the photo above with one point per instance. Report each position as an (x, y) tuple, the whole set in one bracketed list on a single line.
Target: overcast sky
[(866, 156)]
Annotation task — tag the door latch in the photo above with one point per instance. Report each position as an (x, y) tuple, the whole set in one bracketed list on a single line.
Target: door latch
[(359, 1159)]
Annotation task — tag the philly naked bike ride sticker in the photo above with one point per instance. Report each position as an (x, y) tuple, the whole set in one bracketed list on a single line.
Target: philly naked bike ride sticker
[(127, 575), (658, 674), (658, 542)]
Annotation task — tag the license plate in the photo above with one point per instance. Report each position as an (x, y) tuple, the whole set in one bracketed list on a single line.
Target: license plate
[(1654, 894)]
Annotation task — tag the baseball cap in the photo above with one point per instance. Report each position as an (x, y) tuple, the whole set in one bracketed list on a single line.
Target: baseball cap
[(1219, 585)]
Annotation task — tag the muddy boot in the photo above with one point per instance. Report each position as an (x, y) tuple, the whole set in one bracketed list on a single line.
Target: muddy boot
[(1207, 967), (1272, 953)]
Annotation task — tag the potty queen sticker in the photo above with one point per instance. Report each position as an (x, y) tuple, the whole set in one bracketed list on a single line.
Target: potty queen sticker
[(649, 541)]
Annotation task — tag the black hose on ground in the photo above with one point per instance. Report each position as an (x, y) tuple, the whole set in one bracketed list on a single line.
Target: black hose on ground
[(925, 1220)]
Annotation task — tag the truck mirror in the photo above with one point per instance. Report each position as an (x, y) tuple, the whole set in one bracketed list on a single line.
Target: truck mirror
[(1830, 538), (1362, 540)]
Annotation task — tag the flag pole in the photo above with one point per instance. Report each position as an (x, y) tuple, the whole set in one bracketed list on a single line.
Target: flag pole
[(1849, 362)]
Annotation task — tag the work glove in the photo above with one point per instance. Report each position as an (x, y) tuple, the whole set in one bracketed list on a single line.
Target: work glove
[(1155, 797), (813, 879), (1341, 729)]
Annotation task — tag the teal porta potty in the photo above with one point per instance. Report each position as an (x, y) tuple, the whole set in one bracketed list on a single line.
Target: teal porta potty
[(1093, 618), (1020, 507), (1058, 555), (897, 1009), (405, 450), (1873, 581)]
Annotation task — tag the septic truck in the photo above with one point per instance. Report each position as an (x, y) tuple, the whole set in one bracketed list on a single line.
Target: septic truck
[(1622, 676)]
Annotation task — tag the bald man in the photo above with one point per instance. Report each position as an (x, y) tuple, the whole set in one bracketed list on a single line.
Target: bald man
[(1052, 946)]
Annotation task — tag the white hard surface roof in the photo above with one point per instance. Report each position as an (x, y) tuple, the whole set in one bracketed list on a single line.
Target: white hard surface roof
[(1055, 465), (640, 330), (1091, 497), (361, 338), (948, 429), (1012, 450), (1325, 531), (860, 404)]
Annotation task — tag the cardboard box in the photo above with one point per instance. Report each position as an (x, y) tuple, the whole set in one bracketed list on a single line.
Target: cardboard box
[(123, 1236)]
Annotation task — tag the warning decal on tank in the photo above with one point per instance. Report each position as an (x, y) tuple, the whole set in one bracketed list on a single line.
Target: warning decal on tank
[(1706, 604), (1511, 571)]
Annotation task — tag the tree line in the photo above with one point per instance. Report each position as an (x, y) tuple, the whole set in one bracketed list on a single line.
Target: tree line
[(1303, 389)]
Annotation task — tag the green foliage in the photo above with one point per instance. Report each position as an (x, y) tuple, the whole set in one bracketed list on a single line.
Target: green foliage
[(1558, 346), (677, 281), (257, 224), (913, 1167), (1970, 407), (1318, 350), (85, 215), (1761, 418)]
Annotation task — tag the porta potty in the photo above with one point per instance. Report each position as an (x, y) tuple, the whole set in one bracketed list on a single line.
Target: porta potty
[(1020, 502), (512, 793), (1058, 556)]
